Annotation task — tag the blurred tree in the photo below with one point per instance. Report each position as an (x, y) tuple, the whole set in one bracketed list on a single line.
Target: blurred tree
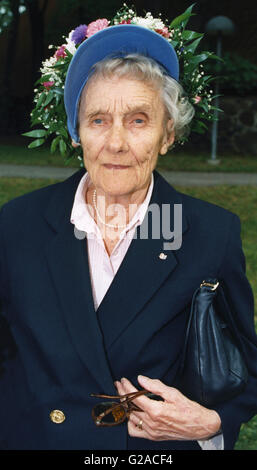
[(10, 15), (36, 10), (237, 76)]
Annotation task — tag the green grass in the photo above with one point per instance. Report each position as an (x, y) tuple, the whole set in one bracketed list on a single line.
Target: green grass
[(21, 155), (248, 436), (16, 152), (14, 187), (199, 162), (242, 200)]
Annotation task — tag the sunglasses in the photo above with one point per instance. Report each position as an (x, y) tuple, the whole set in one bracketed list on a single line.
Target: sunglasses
[(113, 413)]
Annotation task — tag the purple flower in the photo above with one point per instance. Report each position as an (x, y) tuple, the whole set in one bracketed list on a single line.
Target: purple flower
[(79, 34)]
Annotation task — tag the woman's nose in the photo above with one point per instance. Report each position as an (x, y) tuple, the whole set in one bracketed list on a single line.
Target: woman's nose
[(117, 139)]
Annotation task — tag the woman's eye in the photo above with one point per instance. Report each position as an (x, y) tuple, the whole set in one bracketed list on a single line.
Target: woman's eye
[(139, 121), (98, 121)]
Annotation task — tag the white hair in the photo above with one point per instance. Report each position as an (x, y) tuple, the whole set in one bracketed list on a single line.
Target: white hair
[(140, 67)]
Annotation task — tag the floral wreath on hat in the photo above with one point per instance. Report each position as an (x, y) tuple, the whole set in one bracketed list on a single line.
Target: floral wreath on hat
[(49, 111)]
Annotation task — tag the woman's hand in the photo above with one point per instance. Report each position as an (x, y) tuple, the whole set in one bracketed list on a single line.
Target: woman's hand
[(175, 418)]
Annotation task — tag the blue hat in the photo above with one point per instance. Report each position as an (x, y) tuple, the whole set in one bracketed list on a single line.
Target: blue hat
[(114, 41)]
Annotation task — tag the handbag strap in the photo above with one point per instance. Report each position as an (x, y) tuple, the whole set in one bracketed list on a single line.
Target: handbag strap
[(188, 329)]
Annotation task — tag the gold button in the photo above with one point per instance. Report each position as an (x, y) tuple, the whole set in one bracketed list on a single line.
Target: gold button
[(57, 416)]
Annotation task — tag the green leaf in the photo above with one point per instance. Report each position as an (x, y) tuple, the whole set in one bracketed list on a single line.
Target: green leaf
[(36, 143), (44, 78), (204, 106), (49, 98), (54, 144), (190, 35), (189, 10), (192, 47), (216, 57), (195, 60), (63, 132), (69, 54), (174, 43), (202, 124), (41, 99), (184, 18), (58, 90), (217, 109), (36, 133), (179, 19), (62, 147), (60, 64), (199, 127)]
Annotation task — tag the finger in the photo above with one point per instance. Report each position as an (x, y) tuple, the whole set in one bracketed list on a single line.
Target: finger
[(135, 431), (127, 385), (157, 387), (146, 404), (148, 429), (123, 393), (119, 387), (125, 388), (155, 431), (136, 417)]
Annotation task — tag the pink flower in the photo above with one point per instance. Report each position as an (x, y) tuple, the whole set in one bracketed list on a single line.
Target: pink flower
[(163, 32), (60, 53), (48, 85), (197, 99), (96, 26)]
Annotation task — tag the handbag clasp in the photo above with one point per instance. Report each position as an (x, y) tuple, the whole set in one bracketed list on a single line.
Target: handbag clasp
[(209, 284)]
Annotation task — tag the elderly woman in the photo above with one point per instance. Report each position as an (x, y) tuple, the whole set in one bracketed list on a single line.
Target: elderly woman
[(92, 307)]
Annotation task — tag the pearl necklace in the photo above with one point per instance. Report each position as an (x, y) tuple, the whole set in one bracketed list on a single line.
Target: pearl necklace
[(100, 218)]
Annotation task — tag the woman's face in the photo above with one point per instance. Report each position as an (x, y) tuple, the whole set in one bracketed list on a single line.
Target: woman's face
[(122, 130)]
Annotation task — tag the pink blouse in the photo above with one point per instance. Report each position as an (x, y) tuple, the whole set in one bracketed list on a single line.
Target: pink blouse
[(103, 267)]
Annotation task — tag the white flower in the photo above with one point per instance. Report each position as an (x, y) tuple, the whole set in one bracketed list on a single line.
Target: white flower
[(148, 22), (47, 65), (70, 45)]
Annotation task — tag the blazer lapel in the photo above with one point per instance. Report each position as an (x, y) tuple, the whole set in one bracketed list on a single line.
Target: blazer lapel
[(142, 270), (68, 264)]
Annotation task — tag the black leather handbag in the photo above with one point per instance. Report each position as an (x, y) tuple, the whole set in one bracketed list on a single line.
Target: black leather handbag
[(212, 368)]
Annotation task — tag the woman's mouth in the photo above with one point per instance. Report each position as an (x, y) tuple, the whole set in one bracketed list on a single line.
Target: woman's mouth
[(109, 166)]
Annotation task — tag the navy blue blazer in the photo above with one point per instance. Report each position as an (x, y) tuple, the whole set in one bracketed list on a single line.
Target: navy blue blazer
[(56, 349)]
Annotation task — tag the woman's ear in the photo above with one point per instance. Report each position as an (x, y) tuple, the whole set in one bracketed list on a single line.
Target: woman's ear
[(168, 138), (75, 144)]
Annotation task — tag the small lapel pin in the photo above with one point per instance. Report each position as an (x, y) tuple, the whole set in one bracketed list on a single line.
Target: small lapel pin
[(162, 256)]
